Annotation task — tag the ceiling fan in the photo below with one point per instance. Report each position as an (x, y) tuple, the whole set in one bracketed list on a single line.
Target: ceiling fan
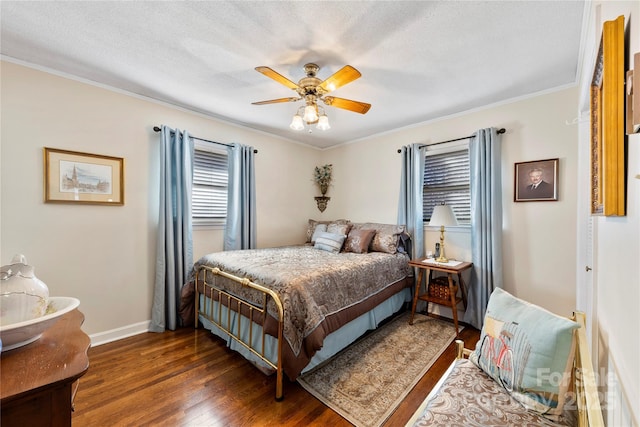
[(311, 89)]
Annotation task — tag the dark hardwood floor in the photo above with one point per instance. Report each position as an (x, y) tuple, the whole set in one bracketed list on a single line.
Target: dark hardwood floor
[(188, 377)]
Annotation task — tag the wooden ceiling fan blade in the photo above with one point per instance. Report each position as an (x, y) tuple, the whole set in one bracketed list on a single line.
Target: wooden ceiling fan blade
[(347, 104), (276, 101), (277, 77), (345, 75)]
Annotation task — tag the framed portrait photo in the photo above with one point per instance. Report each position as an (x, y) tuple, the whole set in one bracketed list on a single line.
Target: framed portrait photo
[(83, 178), (536, 181)]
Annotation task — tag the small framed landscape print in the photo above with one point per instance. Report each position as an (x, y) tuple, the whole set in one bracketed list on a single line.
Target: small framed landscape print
[(536, 181), (74, 177)]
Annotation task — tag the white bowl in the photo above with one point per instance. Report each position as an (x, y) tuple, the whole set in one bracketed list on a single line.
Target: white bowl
[(18, 334)]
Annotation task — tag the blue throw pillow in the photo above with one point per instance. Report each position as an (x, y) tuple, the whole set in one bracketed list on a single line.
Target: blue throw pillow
[(528, 350), (331, 242), (319, 229)]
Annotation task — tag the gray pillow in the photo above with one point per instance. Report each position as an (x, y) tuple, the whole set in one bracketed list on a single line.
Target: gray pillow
[(331, 242), (319, 229)]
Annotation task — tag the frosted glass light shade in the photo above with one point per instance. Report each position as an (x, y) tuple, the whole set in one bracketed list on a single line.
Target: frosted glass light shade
[(323, 122), (296, 123), (310, 114)]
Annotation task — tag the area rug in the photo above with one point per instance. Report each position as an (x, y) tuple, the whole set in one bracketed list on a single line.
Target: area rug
[(367, 381)]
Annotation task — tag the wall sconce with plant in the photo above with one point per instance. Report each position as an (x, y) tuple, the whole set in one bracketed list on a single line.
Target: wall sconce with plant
[(322, 177)]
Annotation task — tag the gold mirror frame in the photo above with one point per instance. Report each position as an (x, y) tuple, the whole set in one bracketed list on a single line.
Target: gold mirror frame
[(608, 163)]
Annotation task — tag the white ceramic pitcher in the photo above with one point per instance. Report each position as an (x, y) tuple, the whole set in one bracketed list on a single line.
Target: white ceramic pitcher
[(22, 295)]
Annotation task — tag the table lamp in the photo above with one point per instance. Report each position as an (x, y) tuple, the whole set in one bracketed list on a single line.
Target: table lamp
[(444, 217)]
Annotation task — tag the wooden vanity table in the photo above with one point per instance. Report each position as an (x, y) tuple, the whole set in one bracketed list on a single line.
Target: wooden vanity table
[(38, 381)]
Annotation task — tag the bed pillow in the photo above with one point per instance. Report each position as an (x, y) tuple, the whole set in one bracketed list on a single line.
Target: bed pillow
[(330, 242), (319, 229), (358, 241), (311, 227), (338, 228), (528, 350), (387, 236)]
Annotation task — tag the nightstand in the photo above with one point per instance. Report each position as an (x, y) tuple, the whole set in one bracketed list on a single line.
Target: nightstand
[(452, 267)]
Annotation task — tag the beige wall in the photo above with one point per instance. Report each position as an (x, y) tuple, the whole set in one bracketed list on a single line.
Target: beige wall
[(114, 247), (105, 255), (611, 291), (539, 237)]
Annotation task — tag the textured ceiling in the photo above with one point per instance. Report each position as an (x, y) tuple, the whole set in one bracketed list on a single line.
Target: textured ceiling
[(419, 60)]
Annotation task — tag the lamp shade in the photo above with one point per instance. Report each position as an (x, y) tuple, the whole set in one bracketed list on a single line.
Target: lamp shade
[(296, 123), (310, 114), (323, 122), (443, 215)]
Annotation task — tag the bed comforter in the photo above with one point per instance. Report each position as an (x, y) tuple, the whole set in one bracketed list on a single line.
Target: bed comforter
[(320, 290)]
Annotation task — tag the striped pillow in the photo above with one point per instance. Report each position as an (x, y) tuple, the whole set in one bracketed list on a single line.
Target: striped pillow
[(319, 229), (331, 242)]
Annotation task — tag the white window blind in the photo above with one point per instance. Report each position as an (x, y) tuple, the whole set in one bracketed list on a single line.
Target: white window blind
[(446, 179), (210, 181)]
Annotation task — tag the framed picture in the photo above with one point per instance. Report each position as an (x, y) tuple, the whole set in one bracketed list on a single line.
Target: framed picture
[(608, 167), (74, 177), (632, 94), (536, 181)]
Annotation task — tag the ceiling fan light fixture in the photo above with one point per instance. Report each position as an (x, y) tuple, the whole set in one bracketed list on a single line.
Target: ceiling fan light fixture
[(296, 123), (312, 90), (323, 122), (310, 114)]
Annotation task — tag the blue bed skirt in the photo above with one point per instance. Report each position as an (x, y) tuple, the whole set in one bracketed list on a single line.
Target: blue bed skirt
[(333, 343)]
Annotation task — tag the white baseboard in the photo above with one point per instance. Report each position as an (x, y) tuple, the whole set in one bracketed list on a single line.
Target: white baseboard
[(119, 333)]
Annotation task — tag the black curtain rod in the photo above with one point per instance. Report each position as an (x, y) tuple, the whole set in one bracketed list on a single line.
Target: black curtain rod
[(157, 129), (501, 130)]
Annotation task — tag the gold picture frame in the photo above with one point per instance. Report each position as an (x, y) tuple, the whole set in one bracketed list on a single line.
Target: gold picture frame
[(536, 181), (608, 164), (633, 96), (83, 178)]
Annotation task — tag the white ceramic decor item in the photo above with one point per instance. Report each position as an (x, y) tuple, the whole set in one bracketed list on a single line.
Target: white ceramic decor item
[(23, 296), (22, 333)]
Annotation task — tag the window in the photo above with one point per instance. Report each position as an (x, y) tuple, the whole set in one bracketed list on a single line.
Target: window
[(446, 179), (210, 181)]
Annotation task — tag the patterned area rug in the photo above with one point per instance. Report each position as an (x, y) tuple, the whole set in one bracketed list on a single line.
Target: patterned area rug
[(367, 381)]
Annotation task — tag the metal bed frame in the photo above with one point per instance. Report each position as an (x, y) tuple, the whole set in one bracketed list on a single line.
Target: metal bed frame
[(238, 306)]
